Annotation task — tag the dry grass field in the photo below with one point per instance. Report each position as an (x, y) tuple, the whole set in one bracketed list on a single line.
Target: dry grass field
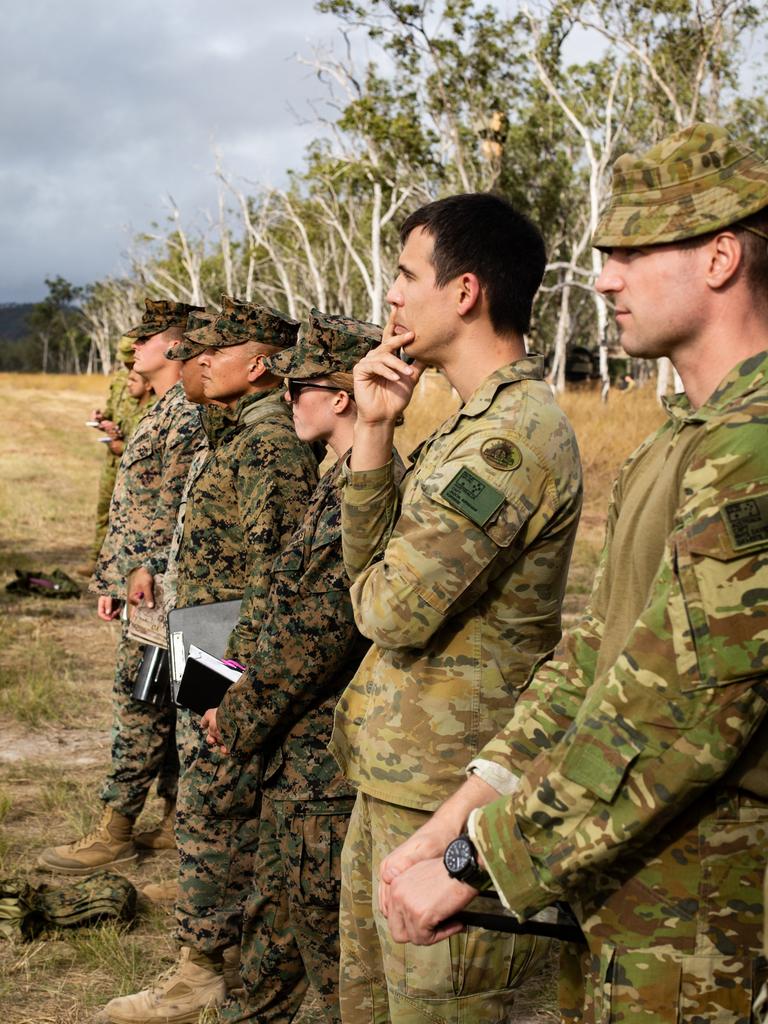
[(56, 662)]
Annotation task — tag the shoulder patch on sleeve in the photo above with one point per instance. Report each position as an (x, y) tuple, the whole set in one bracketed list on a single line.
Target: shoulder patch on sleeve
[(500, 453), (747, 521), (472, 496)]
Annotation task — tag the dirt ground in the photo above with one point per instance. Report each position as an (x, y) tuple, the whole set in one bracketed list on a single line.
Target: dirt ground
[(56, 664)]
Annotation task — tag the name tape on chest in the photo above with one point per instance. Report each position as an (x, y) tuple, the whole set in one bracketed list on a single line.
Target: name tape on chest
[(747, 521), (472, 496)]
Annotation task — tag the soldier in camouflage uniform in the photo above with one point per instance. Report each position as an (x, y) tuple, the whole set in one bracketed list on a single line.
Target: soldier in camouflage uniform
[(465, 601), (243, 504), (124, 411), (636, 770), (142, 516), (307, 650)]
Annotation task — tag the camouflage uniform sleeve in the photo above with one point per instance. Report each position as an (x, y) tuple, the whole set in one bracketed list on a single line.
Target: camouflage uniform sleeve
[(303, 644), (670, 717), (275, 479), (369, 510), (438, 561), (182, 440), (549, 704)]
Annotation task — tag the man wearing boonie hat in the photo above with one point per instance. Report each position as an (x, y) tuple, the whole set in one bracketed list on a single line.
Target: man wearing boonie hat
[(142, 516), (241, 506), (639, 766)]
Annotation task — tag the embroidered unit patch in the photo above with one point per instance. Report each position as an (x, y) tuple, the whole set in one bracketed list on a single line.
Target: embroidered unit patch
[(500, 453)]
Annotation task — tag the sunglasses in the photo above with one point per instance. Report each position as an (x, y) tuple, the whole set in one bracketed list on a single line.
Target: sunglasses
[(295, 387)]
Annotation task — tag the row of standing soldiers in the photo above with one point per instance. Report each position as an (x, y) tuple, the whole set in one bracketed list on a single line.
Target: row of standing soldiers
[(404, 622)]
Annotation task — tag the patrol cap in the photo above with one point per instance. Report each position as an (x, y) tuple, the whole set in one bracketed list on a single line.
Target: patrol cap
[(125, 351), (159, 315), (695, 181), (239, 322), (330, 344), (186, 349)]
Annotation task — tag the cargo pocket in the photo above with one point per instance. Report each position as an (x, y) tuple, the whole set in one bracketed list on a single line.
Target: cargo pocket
[(639, 984), (220, 786), (317, 870), (722, 565), (599, 755)]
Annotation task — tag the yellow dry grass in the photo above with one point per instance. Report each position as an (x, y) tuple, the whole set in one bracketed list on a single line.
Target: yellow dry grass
[(56, 662)]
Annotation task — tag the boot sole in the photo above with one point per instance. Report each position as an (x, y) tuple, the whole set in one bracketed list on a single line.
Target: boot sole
[(63, 869), (192, 1017)]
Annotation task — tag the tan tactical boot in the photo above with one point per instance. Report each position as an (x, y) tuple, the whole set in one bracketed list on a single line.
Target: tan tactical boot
[(162, 892), (162, 837), (108, 845), (177, 998), (231, 963)]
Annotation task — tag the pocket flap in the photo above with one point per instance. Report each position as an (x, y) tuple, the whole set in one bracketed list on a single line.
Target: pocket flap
[(599, 755)]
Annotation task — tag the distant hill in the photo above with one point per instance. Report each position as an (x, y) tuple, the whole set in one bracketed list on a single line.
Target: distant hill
[(17, 350), (13, 320)]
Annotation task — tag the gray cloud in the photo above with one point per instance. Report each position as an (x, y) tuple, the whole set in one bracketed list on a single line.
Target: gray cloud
[(105, 109)]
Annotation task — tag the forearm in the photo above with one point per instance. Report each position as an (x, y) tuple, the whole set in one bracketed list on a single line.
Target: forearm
[(372, 445), (370, 504)]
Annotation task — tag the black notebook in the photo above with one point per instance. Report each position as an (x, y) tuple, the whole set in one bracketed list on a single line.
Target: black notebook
[(204, 682)]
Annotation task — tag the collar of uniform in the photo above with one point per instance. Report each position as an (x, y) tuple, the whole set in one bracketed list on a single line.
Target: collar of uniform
[(260, 405), (747, 376), (530, 367)]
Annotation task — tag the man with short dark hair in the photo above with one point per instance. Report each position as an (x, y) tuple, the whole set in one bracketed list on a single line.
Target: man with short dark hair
[(636, 771), (458, 577)]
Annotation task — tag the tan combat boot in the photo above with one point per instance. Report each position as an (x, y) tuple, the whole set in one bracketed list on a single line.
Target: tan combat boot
[(108, 845), (162, 892), (162, 837), (176, 998)]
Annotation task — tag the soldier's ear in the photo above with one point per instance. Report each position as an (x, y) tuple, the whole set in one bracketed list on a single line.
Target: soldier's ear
[(724, 256), (256, 368)]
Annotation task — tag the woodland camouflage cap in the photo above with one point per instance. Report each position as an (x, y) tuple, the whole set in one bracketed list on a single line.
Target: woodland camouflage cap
[(331, 344), (695, 181), (239, 322), (159, 315), (186, 349)]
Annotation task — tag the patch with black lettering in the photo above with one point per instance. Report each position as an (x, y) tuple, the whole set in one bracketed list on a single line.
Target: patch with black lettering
[(501, 453), (747, 521), (472, 496)]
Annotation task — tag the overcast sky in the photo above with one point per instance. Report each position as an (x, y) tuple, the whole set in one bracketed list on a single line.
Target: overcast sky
[(107, 108)]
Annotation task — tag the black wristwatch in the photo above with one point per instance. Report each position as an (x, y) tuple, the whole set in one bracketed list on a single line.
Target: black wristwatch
[(460, 859)]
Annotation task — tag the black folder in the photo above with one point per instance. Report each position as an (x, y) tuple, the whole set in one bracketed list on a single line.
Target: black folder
[(207, 626)]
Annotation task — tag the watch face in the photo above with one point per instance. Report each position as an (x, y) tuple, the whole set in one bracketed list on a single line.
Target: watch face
[(458, 855)]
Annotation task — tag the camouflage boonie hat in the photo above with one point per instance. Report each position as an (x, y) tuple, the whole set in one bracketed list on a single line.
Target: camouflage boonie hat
[(693, 182), (239, 322), (159, 315), (331, 344), (186, 349), (125, 351)]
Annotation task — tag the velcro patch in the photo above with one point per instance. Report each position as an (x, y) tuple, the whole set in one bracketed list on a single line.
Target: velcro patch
[(472, 496), (747, 521)]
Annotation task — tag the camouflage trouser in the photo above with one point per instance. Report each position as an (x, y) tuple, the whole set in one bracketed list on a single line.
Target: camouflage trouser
[(291, 919), (470, 977), (143, 741), (106, 486), (675, 929), (216, 836)]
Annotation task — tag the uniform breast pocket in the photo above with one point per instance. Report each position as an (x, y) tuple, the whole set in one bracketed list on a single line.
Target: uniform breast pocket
[(722, 565)]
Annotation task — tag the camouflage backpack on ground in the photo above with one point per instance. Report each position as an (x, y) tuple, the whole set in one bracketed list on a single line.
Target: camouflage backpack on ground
[(26, 910), (54, 584)]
